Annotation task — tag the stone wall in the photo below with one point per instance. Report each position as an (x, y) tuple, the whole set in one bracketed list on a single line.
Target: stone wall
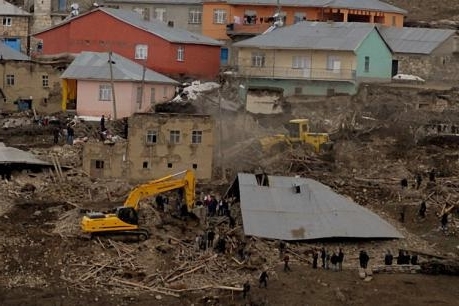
[(433, 68), (19, 29)]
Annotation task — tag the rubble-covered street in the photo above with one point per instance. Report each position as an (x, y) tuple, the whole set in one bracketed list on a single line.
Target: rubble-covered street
[(47, 261)]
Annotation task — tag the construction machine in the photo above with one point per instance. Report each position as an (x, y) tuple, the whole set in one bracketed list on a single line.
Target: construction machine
[(299, 133), (124, 220)]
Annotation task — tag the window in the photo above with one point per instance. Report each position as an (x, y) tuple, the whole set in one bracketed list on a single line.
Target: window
[(333, 63), (99, 164), (195, 16), (298, 62), (169, 165), (44, 81), (250, 17), (180, 54), (196, 137), (141, 52), (394, 21), (299, 17), (139, 95), (367, 64), (152, 137), (258, 59), (160, 14), (10, 79), (195, 166), (145, 165), (7, 21), (220, 16), (174, 136), (105, 92)]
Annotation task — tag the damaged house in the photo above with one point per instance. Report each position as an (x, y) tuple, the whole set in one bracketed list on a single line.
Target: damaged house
[(295, 208), (157, 145)]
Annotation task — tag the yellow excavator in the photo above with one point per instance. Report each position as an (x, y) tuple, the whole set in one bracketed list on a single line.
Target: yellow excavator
[(125, 221), (299, 133)]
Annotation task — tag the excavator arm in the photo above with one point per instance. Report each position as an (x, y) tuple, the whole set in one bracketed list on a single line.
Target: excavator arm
[(170, 182)]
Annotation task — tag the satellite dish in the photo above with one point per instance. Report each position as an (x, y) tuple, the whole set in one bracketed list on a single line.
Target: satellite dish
[(74, 9)]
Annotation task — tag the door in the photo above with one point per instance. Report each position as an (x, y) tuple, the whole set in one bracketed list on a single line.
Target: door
[(14, 43), (224, 56), (306, 65), (394, 67)]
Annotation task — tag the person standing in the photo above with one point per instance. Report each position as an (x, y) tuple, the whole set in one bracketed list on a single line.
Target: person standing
[(210, 238), (323, 255), (281, 248), (56, 134), (334, 261), (423, 209), (340, 259), (263, 280), (363, 259), (286, 266), (102, 123), (432, 175), (70, 134), (444, 222), (388, 258), (418, 180), (246, 289), (315, 257)]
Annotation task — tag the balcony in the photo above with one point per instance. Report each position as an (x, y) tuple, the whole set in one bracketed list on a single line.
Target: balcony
[(234, 29), (298, 74)]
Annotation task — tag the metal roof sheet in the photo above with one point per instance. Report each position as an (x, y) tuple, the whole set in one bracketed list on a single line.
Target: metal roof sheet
[(159, 28), (8, 53), (278, 212), (414, 40), (167, 2), (10, 155), (8, 9), (313, 35), (95, 66), (372, 5)]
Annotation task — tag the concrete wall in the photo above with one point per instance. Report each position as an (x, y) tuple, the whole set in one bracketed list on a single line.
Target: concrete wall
[(380, 56), (139, 161), (88, 103), (28, 81)]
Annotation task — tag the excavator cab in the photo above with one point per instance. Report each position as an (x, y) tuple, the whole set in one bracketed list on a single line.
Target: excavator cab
[(128, 215)]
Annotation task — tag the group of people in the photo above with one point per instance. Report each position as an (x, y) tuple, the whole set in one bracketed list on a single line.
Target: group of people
[(336, 259), (403, 258), (68, 132), (210, 240), (418, 180), (215, 207)]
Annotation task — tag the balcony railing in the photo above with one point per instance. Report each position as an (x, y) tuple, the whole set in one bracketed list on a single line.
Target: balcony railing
[(234, 29), (298, 73)]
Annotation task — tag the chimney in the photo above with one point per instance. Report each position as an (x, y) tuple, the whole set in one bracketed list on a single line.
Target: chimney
[(170, 24)]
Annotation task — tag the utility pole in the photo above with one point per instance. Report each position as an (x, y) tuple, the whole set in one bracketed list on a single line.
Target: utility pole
[(220, 150), (110, 63)]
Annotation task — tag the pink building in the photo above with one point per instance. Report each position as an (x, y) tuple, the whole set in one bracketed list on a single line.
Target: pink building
[(99, 83)]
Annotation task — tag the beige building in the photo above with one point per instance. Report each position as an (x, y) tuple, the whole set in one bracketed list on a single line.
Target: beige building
[(158, 144), (15, 26), (26, 79)]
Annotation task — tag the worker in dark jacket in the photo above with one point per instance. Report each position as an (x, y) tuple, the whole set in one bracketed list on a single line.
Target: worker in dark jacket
[(263, 280)]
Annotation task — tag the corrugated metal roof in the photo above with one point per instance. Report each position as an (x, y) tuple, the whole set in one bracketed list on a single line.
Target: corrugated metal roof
[(372, 5), (167, 2), (278, 212), (8, 53), (312, 35), (8, 9), (9, 155), (414, 40), (160, 29), (95, 66)]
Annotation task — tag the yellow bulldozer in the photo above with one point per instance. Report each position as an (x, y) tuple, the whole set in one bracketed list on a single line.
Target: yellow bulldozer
[(299, 133)]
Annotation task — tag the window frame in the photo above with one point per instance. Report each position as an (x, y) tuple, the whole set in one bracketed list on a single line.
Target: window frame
[(258, 59), (7, 21), (9, 80), (45, 81), (174, 136), (366, 65), (196, 137), (99, 164), (195, 16), (160, 11), (181, 54), (141, 52), (105, 92), (151, 137), (220, 16), (331, 59)]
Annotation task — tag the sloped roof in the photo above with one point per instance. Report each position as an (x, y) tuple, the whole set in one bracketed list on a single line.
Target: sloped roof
[(153, 26), (10, 155), (278, 212), (313, 35), (168, 2), (414, 40), (8, 53), (8, 9), (371, 5), (95, 66)]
